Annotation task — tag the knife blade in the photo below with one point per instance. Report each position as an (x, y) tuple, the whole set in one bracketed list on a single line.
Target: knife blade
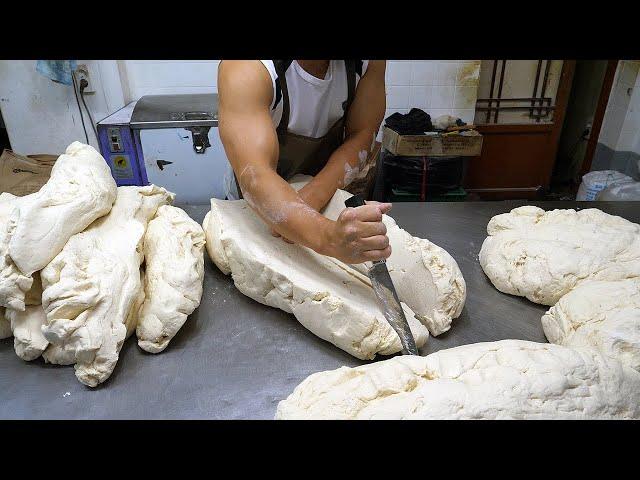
[(387, 296)]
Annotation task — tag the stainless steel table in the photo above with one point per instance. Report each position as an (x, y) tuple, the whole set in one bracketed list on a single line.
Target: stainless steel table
[(235, 358)]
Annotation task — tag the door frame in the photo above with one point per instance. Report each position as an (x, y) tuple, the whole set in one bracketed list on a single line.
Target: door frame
[(598, 118)]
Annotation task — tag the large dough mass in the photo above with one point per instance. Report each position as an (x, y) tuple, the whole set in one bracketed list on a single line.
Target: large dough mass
[(13, 283), (544, 255), (601, 315), (508, 379), (174, 266), (93, 289), (332, 301), (80, 190)]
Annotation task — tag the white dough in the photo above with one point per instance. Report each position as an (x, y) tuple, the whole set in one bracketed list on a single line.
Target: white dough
[(26, 325), (544, 255), (5, 200), (425, 276), (174, 262), (13, 283), (600, 315), (80, 190), (28, 341), (332, 301), (508, 379), (93, 290)]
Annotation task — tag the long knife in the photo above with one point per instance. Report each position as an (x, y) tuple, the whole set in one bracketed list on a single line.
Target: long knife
[(386, 295)]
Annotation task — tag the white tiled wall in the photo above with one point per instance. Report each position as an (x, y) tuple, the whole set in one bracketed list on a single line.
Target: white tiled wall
[(437, 87), (158, 77)]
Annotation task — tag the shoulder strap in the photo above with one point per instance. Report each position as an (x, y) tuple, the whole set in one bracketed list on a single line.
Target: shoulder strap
[(350, 66), (282, 92)]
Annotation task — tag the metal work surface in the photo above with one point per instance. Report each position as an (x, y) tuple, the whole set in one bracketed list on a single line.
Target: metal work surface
[(235, 358)]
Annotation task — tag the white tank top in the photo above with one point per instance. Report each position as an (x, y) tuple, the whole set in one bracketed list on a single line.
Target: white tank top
[(315, 104)]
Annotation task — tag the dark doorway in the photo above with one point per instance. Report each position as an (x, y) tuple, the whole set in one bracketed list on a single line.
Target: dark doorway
[(590, 90), (4, 137)]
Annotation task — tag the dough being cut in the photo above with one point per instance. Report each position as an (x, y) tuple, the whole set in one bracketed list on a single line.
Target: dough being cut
[(174, 260), (80, 190), (601, 315), (328, 298), (426, 277), (26, 326), (544, 255), (93, 290), (508, 379)]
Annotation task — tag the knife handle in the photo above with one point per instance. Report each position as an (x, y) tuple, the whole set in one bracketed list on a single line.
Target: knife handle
[(355, 201), (358, 201)]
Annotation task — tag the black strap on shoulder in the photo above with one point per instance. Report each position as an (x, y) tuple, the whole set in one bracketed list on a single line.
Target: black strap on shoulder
[(351, 83), (281, 65), (359, 67), (281, 84)]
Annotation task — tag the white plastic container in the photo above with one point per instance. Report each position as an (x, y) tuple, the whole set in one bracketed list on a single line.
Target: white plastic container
[(624, 192), (594, 182)]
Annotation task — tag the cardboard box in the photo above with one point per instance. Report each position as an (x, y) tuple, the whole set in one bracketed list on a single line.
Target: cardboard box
[(21, 175), (467, 144)]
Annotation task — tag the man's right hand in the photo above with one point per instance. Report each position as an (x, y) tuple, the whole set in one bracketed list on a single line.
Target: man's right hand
[(358, 235)]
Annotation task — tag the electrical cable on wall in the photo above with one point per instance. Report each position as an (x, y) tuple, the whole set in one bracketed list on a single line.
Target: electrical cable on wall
[(83, 85), (75, 92)]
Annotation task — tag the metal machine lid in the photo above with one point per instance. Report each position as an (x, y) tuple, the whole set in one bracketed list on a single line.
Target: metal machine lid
[(171, 111)]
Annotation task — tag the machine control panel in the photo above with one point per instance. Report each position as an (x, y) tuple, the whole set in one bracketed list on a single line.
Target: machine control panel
[(115, 140)]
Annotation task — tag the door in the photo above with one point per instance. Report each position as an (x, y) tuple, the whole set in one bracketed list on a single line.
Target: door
[(519, 111)]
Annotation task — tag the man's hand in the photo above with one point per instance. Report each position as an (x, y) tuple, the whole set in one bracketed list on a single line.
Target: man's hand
[(359, 234)]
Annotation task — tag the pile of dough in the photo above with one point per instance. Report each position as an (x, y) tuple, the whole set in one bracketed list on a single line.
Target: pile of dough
[(426, 277), (330, 299), (508, 379), (544, 255), (93, 289), (6, 206), (80, 190), (26, 325), (13, 283), (174, 266), (601, 315)]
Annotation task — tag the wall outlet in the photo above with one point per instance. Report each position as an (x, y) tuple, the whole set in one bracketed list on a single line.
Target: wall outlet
[(82, 72)]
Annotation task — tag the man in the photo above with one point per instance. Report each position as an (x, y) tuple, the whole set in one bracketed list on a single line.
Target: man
[(280, 118)]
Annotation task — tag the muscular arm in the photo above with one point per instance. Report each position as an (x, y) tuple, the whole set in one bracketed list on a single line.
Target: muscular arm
[(362, 123), (251, 144)]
